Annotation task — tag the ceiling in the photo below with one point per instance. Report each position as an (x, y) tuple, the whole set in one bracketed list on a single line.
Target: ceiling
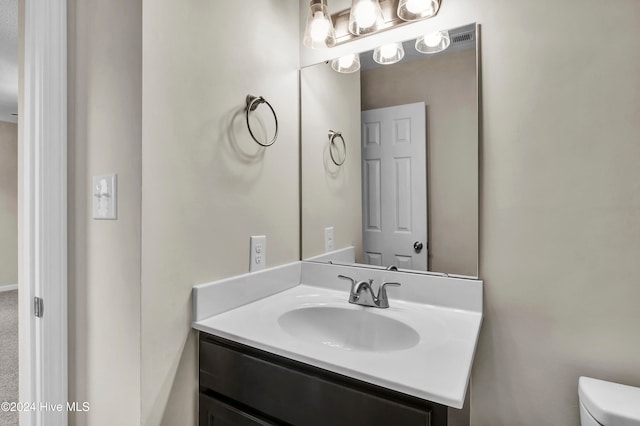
[(8, 60)]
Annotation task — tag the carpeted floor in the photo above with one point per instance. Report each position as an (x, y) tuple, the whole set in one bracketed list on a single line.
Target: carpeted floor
[(8, 354)]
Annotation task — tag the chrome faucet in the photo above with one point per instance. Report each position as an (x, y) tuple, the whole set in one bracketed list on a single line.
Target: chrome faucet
[(362, 293)]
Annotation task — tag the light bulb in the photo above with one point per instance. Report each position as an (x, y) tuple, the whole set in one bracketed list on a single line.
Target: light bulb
[(319, 32), (388, 50), (319, 27), (413, 10), (346, 61), (365, 13), (433, 43), (388, 54), (417, 6), (432, 40)]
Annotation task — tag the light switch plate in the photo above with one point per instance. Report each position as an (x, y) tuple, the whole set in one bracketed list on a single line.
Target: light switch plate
[(328, 239), (105, 197), (258, 254)]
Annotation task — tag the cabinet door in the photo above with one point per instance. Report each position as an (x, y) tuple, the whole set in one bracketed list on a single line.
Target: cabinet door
[(302, 398), (214, 412)]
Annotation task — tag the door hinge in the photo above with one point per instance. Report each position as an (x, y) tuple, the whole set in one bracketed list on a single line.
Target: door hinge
[(38, 307)]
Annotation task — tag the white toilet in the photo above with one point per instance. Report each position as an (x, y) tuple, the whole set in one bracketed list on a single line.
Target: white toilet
[(608, 404)]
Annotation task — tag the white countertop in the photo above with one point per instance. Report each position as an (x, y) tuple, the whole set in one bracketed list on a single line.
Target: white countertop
[(437, 368)]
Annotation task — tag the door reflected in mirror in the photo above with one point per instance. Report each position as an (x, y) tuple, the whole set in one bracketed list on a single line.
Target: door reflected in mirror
[(406, 194)]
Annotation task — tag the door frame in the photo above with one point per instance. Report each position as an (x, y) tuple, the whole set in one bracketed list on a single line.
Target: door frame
[(42, 214)]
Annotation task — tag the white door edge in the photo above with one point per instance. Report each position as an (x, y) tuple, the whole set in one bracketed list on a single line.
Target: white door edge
[(43, 214)]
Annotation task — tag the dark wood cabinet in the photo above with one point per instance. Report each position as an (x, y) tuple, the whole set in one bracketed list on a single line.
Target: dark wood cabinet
[(214, 412), (240, 385)]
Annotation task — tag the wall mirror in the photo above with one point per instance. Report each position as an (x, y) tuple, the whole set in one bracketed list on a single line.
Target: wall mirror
[(404, 191)]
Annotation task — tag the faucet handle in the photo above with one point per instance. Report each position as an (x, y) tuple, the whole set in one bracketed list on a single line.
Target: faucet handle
[(344, 277), (383, 299), (393, 284), (353, 297)]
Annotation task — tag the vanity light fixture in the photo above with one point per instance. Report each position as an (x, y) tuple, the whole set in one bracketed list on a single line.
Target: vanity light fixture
[(412, 10), (347, 63), (388, 53), (319, 32), (365, 17), (433, 43)]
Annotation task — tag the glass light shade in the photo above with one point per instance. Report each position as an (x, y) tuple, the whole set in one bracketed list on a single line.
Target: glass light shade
[(365, 17), (412, 10), (319, 32), (433, 43), (388, 53), (347, 63)]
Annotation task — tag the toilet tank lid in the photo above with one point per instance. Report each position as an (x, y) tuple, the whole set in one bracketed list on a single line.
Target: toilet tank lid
[(610, 403)]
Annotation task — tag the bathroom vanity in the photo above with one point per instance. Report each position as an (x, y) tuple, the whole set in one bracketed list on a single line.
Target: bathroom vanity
[(240, 385), (285, 346), (297, 344)]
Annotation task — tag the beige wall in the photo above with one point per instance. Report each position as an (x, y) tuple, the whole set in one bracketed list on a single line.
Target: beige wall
[(448, 85), (105, 70), (207, 186), (560, 227), (8, 203), (559, 201), (331, 195)]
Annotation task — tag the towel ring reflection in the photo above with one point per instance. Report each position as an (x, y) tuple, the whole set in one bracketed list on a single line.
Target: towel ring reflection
[(332, 143), (252, 104)]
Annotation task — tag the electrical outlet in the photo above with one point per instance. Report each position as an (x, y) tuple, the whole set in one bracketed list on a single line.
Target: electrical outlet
[(258, 253), (328, 239)]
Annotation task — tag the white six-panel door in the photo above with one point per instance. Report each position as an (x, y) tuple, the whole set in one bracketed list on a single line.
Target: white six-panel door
[(394, 186)]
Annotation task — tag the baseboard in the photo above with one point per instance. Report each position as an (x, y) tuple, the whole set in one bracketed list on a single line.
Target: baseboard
[(8, 287)]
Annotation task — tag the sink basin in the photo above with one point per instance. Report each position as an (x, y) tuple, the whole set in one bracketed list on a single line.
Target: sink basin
[(348, 329)]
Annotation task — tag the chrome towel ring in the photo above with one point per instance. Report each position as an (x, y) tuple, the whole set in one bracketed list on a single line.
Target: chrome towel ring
[(252, 103), (332, 144)]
